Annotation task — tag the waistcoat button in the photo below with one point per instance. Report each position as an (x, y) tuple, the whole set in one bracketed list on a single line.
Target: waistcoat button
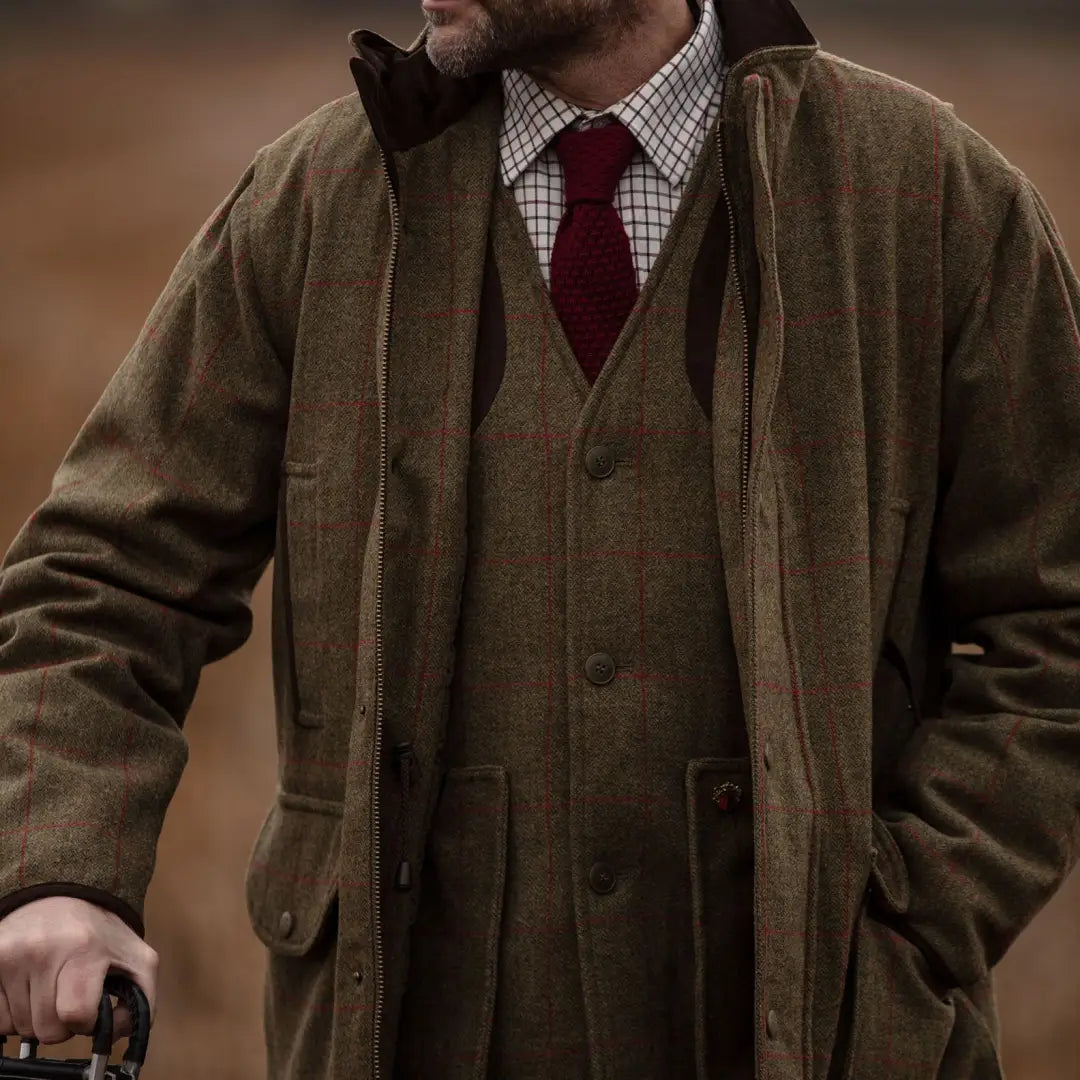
[(601, 878), (600, 461), (600, 668), (286, 923), (772, 1024)]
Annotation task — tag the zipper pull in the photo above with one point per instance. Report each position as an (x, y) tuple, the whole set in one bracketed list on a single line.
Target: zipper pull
[(405, 763)]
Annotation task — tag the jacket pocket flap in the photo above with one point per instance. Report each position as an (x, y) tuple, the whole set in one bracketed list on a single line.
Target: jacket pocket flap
[(888, 871), (292, 875)]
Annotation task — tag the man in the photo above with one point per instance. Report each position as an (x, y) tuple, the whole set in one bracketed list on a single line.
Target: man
[(639, 402)]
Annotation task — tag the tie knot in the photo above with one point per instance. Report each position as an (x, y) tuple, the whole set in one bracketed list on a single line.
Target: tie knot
[(593, 161)]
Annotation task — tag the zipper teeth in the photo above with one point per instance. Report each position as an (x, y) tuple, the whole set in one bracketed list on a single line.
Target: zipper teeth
[(376, 876), (744, 445)]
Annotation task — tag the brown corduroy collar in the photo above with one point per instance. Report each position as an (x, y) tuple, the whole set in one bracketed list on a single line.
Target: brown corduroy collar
[(409, 101)]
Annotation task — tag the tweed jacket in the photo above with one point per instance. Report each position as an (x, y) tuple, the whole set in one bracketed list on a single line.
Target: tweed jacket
[(899, 476)]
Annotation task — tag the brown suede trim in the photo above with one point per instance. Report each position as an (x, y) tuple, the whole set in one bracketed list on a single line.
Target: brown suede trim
[(490, 340), (80, 892), (749, 25), (704, 307), (407, 99)]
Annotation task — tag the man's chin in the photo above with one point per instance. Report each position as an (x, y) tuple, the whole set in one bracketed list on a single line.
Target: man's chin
[(450, 59)]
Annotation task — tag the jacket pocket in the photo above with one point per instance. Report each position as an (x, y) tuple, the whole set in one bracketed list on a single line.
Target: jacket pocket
[(292, 889), (721, 840), (903, 1014), (303, 580), (890, 524), (970, 1049), (449, 1003), (900, 1018)]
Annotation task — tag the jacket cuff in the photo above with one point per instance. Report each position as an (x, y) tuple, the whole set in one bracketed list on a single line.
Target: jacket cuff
[(80, 892)]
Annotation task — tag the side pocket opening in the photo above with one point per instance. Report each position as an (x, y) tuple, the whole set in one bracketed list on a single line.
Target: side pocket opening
[(898, 1023), (888, 896), (303, 580)]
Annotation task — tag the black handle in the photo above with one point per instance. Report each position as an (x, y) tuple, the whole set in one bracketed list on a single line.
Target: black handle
[(131, 995), (115, 985)]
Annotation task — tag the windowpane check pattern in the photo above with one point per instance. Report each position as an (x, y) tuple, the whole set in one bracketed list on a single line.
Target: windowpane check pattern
[(670, 115)]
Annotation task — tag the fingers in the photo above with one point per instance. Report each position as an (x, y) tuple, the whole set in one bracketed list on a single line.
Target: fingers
[(17, 994), (45, 1025), (141, 966), (78, 994)]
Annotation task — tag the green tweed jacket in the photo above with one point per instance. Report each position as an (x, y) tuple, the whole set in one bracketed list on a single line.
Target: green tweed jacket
[(900, 475)]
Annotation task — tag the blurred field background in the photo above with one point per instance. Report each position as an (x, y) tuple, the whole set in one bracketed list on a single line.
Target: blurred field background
[(122, 125)]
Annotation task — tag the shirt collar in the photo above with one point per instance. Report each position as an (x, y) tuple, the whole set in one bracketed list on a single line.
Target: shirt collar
[(680, 93)]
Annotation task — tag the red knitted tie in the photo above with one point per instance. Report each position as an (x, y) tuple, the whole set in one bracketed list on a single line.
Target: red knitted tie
[(593, 282)]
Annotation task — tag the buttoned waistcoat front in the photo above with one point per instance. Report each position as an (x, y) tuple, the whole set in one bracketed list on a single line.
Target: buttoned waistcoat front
[(901, 476), (587, 889)]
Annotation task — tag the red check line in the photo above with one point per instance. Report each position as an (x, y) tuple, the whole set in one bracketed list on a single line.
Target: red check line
[(263, 867)]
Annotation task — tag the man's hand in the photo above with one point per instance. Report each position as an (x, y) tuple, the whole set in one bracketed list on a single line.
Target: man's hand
[(54, 956)]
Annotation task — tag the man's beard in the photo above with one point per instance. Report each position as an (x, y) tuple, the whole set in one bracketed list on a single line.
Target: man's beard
[(533, 35)]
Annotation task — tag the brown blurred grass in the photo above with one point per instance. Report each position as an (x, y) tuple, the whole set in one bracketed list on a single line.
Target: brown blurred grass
[(117, 145)]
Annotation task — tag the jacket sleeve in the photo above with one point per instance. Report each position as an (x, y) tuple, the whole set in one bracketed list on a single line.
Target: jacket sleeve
[(987, 795), (135, 571)]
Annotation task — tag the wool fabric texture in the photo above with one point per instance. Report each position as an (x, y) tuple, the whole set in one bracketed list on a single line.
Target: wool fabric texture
[(303, 391)]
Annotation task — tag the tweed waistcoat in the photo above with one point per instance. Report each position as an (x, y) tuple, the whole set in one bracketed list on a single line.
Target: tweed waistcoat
[(588, 872)]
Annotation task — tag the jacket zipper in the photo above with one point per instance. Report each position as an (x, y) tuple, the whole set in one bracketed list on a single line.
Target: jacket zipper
[(376, 873), (744, 446)]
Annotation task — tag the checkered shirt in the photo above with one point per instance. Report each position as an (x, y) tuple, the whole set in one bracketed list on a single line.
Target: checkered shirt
[(670, 115)]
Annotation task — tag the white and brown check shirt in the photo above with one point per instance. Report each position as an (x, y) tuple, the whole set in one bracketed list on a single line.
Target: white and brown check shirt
[(670, 115)]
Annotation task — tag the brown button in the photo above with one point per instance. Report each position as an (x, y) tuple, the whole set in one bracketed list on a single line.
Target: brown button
[(601, 878), (767, 755), (286, 923), (600, 668), (600, 461), (772, 1024)]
